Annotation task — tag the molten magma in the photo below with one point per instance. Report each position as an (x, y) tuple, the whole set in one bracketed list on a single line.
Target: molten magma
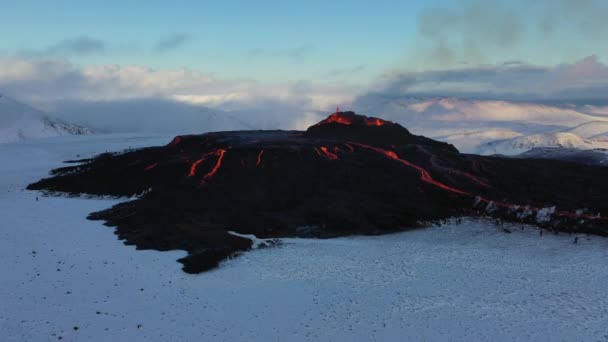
[(220, 153), (259, 158), (196, 164), (425, 176), (336, 117), (176, 141), (151, 166), (340, 118), (327, 154), (374, 122), (323, 151)]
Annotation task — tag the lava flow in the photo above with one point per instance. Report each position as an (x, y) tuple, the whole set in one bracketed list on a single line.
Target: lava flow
[(337, 118), (195, 165), (323, 151), (349, 118), (220, 156), (151, 166), (348, 174), (425, 176)]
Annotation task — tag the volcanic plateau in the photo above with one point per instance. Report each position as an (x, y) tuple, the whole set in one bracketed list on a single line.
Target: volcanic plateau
[(348, 174)]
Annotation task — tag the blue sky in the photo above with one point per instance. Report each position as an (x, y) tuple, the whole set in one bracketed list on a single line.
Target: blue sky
[(258, 39), (216, 51), (278, 40)]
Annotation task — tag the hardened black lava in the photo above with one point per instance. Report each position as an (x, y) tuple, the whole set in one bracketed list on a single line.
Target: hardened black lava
[(348, 174)]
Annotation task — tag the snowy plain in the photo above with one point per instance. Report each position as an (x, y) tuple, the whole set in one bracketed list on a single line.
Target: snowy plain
[(66, 278)]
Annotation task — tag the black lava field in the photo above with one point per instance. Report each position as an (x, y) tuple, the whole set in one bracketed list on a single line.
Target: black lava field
[(348, 174)]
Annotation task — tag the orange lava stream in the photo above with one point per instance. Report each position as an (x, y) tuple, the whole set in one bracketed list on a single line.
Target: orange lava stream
[(151, 166), (336, 117), (323, 151), (220, 153), (374, 122), (329, 155), (424, 175), (259, 158), (194, 165), (175, 141), (204, 157)]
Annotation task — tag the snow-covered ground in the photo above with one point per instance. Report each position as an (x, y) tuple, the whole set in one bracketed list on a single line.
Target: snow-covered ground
[(69, 278)]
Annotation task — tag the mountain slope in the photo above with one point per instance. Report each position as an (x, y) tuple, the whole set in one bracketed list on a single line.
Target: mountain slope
[(19, 122), (457, 110), (470, 123), (525, 143), (470, 141), (590, 130), (151, 116), (597, 157)]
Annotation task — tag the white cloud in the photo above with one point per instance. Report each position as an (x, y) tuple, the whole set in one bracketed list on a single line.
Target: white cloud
[(478, 31), (584, 80), (45, 81), (119, 98)]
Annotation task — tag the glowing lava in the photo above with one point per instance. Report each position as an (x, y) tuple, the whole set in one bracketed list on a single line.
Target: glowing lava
[(195, 165), (323, 151), (348, 174), (151, 166), (176, 141), (338, 118), (347, 118), (424, 174), (374, 122), (220, 153)]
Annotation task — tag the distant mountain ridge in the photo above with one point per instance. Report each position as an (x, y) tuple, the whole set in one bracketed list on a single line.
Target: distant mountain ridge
[(526, 143), (495, 126), (20, 122), (597, 157)]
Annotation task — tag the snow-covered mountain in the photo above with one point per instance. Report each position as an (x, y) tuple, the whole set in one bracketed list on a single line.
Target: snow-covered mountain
[(20, 122), (413, 110), (591, 130), (494, 126), (152, 116), (525, 143), (470, 141), (587, 157)]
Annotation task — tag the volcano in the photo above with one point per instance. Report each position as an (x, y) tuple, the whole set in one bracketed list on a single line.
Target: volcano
[(348, 174)]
